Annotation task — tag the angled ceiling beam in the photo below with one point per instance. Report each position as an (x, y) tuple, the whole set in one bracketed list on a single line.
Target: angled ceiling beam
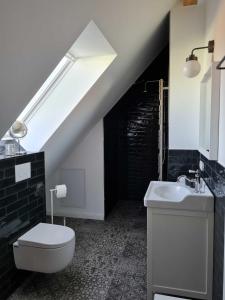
[(189, 2)]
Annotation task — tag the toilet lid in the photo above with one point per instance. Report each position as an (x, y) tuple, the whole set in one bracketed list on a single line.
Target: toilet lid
[(47, 236), (163, 297)]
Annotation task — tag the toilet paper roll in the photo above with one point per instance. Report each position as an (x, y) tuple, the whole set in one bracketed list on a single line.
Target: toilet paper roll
[(61, 191)]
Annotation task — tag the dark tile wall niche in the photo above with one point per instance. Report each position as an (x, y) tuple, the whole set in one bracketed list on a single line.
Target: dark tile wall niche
[(131, 145), (178, 163), (131, 136), (22, 205)]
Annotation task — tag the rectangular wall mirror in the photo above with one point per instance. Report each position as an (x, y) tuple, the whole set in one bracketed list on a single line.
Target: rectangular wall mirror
[(209, 113)]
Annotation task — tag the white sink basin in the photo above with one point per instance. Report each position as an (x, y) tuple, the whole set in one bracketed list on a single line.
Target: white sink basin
[(171, 192), (164, 194)]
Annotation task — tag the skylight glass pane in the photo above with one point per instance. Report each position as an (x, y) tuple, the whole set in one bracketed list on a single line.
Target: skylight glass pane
[(47, 87)]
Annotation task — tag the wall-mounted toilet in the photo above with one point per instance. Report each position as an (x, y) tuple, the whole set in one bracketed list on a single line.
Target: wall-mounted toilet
[(46, 248)]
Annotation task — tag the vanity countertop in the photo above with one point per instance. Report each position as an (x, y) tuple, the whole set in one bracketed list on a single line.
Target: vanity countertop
[(173, 195)]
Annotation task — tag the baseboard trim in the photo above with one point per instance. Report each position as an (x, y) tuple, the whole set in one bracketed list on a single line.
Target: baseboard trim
[(78, 215)]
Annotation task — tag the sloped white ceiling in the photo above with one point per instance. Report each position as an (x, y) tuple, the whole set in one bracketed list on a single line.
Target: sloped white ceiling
[(35, 35)]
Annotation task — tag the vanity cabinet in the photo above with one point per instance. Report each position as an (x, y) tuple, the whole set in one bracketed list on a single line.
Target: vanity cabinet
[(179, 241), (180, 251)]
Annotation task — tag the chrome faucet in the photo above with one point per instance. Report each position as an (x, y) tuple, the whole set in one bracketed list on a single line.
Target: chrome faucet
[(197, 179), (185, 179)]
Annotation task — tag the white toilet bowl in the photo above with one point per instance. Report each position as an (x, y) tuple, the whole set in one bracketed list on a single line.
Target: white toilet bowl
[(46, 248), (163, 297)]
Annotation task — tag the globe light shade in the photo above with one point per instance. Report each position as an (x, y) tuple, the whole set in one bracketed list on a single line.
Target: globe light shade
[(191, 68)]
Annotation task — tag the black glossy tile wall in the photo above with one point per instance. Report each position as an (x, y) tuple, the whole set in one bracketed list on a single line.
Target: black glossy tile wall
[(131, 136), (180, 161), (131, 144), (22, 205), (142, 141), (214, 175)]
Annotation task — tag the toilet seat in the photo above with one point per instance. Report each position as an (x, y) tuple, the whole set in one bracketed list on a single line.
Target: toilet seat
[(163, 297), (48, 236)]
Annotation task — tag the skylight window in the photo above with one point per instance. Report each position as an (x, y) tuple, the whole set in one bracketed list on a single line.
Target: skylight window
[(66, 86), (48, 86)]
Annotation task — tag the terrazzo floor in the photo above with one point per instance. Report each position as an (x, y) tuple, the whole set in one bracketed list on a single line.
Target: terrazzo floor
[(109, 261)]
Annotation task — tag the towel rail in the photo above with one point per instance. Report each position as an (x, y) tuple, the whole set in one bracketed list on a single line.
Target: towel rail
[(219, 66)]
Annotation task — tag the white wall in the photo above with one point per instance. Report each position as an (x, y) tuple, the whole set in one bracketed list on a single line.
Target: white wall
[(186, 33), (87, 155), (192, 27)]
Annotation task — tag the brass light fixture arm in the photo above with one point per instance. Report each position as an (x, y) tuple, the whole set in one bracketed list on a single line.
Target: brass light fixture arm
[(210, 47), (199, 48)]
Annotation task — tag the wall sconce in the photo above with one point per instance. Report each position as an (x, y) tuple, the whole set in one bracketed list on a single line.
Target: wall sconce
[(192, 67)]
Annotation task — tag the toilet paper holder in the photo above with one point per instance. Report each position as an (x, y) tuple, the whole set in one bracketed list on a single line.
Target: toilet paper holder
[(60, 191)]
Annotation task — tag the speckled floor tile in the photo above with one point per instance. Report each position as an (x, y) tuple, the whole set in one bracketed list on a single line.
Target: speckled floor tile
[(109, 261)]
